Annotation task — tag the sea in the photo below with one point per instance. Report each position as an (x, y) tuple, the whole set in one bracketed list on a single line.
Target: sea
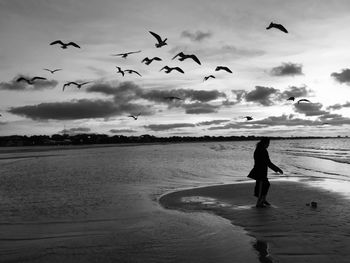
[(100, 203)]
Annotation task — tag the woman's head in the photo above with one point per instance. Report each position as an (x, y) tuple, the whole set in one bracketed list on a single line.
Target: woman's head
[(264, 142)]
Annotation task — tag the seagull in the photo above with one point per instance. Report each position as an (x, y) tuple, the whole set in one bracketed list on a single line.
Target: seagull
[(168, 69), (161, 42), (124, 55), (52, 71), (135, 117), (249, 118), (278, 26), (30, 81), (223, 68), (130, 71), (303, 100), (79, 85), (208, 77), (184, 56), (120, 71), (172, 98), (149, 60), (65, 45), (291, 98)]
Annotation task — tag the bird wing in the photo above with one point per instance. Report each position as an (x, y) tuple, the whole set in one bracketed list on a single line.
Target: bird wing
[(165, 67), (157, 59), (48, 70), (194, 57), (179, 69), (57, 42), (132, 52), (282, 28), (21, 79), (56, 70), (35, 78), (133, 71), (303, 100), (73, 44), (145, 59), (84, 83), (159, 39), (181, 54)]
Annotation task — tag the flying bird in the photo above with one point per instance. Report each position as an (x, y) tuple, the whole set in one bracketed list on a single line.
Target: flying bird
[(130, 71), (169, 69), (135, 117), (172, 98), (65, 45), (249, 118), (30, 81), (120, 71), (208, 77), (79, 85), (183, 56), (150, 60), (124, 55), (223, 68), (291, 98), (161, 42), (278, 26), (52, 71), (303, 100)]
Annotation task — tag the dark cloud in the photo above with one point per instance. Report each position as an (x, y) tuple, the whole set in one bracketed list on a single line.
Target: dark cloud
[(215, 122), (121, 131), (21, 86), (296, 92), (200, 108), (287, 69), (125, 99), (164, 127), (78, 109), (262, 95), (338, 106), (343, 76), (196, 36), (310, 109)]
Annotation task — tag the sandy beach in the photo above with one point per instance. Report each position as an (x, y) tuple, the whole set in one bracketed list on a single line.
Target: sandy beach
[(288, 231)]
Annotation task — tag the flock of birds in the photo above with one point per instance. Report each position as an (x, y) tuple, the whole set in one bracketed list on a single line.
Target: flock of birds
[(181, 56)]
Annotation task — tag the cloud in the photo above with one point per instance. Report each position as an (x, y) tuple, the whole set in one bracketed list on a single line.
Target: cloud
[(309, 109), (286, 120), (78, 109), (197, 36), (76, 130), (343, 76), (200, 108), (287, 69), (21, 86), (164, 127), (339, 106), (262, 95), (207, 123), (121, 131)]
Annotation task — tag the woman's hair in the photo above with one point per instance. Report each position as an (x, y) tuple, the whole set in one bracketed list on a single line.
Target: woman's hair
[(263, 141)]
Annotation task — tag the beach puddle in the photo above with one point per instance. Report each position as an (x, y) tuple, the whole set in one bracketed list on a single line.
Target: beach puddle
[(203, 200)]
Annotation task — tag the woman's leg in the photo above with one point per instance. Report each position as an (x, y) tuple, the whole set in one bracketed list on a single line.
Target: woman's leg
[(260, 187)]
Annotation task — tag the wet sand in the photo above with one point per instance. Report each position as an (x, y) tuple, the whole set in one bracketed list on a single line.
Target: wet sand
[(289, 230)]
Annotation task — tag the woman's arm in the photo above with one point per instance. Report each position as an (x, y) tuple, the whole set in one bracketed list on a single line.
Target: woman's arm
[(272, 166)]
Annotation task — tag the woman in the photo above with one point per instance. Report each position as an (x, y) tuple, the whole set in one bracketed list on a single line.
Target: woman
[(259, 172)]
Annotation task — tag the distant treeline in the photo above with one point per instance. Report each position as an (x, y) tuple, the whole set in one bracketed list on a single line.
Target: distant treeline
[(83, 139)]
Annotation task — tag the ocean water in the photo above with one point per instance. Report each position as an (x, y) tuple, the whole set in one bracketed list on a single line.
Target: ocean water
[(99, 204)]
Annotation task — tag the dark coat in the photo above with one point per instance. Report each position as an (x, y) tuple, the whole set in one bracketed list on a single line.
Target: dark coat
[(261, 163)]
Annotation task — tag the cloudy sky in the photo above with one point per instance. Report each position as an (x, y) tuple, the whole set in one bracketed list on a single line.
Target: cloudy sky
[(311, 62)]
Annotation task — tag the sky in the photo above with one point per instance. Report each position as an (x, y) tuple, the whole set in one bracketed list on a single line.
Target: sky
[(310, 62)]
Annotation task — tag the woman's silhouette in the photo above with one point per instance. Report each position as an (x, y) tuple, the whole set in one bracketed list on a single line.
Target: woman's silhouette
[(259, 172)]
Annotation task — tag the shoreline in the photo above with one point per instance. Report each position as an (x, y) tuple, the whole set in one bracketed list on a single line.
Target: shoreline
[(289, 231)]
